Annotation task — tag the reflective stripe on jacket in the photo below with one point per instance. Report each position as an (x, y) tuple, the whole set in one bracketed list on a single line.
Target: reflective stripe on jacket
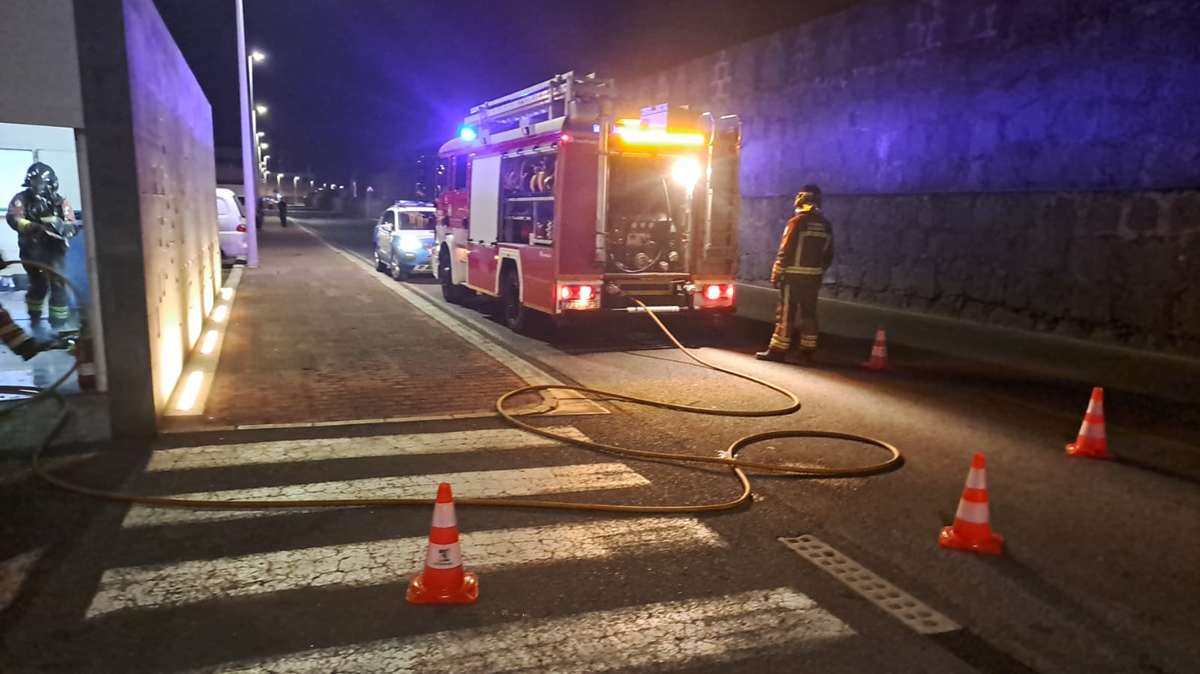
[(806, 248)]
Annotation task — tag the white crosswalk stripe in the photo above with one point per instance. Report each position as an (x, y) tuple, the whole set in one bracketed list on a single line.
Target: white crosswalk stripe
[(474, 484), (390, 561), (669, 634), (298, 451), (712, 630)]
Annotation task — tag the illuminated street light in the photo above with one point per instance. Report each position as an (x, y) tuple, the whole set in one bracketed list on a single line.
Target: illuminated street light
[(260, 109), (260, 134), (296, 188), (258, 56), (264, 146)]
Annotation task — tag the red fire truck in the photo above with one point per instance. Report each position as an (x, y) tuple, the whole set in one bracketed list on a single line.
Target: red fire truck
[(559, 204)]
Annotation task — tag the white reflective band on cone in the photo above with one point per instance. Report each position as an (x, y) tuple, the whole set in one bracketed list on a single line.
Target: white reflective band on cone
[(1092, 431), (443, 556), (1096, 408), (976, 479), (976, 513), (443, 515)]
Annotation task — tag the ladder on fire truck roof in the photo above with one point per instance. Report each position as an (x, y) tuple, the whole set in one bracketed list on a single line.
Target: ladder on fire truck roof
[(548, 100)]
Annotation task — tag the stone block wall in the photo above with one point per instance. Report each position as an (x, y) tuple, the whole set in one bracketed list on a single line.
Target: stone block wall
[(1028, 163)]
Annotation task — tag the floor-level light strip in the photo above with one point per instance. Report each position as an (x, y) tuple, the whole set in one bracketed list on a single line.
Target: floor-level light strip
[(210, 341), (494, 483), (193, 386), (900, 604), (187, 399), (668, 635), (322, 449), (390, 561)]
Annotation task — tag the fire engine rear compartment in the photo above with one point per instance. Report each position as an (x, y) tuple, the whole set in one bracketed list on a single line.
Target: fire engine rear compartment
[(567, 217)]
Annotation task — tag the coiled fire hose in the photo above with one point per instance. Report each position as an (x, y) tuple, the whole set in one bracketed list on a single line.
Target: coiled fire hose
[(737, 466)]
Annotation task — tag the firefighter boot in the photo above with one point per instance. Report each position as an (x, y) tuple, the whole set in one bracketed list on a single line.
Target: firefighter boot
[(773, 356), (802, 356), (29, 348)]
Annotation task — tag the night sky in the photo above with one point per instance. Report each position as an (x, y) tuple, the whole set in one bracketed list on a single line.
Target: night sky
[(362, 86)]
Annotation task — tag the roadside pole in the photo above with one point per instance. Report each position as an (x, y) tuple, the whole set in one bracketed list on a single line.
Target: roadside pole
[(249, 169)]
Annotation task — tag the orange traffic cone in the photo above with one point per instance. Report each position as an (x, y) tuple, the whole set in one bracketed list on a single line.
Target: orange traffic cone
[(878, 352), (443, 581), (972, 530), (1091, 441)]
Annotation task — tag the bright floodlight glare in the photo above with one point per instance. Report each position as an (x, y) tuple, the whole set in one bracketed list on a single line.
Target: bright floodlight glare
[(467, 134), (686, 172), (262, 109), (258, 56)]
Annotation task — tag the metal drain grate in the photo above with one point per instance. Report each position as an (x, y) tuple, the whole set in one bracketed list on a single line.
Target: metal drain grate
[(878, 591)]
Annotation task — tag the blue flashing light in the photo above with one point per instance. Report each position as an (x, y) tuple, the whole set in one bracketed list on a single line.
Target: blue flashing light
[(467, 134), (595, 128)]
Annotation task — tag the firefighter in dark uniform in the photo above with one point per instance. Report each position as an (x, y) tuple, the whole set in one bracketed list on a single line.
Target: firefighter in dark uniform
[(804, 256), (44, 221), (14, 337)]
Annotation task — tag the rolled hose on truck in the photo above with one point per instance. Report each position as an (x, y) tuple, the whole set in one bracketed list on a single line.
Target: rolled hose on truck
[(730, 459)]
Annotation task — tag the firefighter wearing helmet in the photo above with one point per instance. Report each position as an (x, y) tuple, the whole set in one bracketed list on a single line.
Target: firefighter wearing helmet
[(44, 222), (804, 256)]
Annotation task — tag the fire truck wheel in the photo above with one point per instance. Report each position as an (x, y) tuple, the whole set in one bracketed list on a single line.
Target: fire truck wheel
[(518, 318), (451, 293)]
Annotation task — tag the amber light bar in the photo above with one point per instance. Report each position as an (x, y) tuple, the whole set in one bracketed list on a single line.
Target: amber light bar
[(633, 135)]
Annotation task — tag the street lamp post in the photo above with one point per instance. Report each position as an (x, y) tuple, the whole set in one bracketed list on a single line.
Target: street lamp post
[(296, 189), (249, 141), (279, 183)]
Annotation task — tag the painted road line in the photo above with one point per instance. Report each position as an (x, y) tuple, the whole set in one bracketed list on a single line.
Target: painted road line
[(666, 635), (390, 561), (299, 451), (477, 484), (873, 588), (13, 572)]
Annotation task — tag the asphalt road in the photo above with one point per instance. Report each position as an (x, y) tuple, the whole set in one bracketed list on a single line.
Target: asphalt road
[(1098, 574), (1100, 565)]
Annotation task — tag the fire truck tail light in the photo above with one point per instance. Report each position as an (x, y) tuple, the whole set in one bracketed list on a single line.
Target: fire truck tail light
[(564, 292), (712, 292), (566, 138), (585, 293), (729, 291)]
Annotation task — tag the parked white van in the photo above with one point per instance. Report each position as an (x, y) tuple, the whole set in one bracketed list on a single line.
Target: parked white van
[(231, 218)]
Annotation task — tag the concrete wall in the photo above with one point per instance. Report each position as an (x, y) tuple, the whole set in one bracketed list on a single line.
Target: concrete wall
[(39, 76), (1032, 163), (173, 137), (150, 151)]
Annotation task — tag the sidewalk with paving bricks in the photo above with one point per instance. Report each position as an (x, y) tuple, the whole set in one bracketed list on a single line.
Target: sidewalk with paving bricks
[(314, 339)]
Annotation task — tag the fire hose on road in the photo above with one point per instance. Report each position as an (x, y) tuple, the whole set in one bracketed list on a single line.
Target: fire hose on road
[(729, 459)]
